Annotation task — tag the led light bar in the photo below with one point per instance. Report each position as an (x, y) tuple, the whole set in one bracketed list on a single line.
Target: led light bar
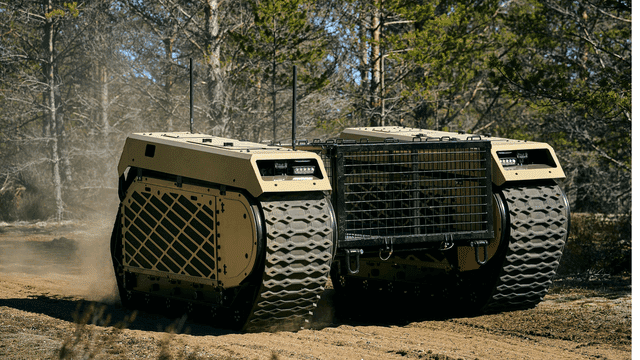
[(304, 170), (508, 161)]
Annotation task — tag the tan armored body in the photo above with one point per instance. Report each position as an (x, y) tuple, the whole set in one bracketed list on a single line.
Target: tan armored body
[(249, 234), (239, 229)]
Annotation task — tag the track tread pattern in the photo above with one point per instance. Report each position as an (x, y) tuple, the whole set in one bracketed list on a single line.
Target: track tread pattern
[(538, 230), (299, 251)]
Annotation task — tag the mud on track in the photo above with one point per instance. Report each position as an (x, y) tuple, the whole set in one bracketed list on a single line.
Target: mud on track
[(58, 300)]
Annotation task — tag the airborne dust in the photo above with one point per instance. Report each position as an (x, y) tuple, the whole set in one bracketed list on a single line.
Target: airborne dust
[(73, 253)]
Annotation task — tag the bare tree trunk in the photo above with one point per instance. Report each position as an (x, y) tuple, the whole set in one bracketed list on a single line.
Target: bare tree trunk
[(364, 67), (104, 101), (273, 85), (168, 82), (214, 71), (375, 59), (375, 52), (45, 115), (53, 116)]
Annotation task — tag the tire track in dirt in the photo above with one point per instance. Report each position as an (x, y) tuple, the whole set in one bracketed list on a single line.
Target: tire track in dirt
[(37, 332), (46, 307)]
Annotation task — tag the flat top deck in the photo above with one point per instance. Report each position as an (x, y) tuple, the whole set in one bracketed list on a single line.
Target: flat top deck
[(410, 134), (209, 143)]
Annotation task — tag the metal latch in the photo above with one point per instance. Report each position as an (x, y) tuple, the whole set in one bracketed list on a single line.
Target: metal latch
[(357, 253), (476, 246)]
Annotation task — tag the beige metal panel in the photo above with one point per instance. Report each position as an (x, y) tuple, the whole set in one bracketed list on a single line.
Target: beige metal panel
[(237, 239), (217, 160), (169, 231), (500, 175), (191, 233)]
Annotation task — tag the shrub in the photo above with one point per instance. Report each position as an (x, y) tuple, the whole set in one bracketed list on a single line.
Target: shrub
[(597, 243), (22, 197)]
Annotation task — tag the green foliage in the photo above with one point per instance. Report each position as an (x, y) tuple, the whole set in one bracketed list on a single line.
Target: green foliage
[(282, 33), (569, 55), (446, 49), (570, 62), (70, 8), (552, 71), (447, 40)]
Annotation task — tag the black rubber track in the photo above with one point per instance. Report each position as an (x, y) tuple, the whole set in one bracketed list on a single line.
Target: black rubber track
[(299, 251), (538, 228)]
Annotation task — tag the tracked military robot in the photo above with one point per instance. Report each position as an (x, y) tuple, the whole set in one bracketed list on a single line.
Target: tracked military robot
[(249, 234)]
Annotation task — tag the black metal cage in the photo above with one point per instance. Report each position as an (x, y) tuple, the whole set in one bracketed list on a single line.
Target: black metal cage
[(409, 192)]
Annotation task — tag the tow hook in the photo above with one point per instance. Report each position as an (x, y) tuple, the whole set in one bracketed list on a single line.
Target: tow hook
[(447, 244), (476, 246), (388, 247), (357, 253)]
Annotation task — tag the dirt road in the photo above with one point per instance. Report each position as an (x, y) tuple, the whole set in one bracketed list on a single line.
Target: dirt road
[(58, 300)]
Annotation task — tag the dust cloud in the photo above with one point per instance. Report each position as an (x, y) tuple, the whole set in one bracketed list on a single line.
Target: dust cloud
[(98, 282), (75, 255)]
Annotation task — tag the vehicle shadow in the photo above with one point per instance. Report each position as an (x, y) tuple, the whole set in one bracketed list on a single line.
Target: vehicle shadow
[(384, 309), (333, 310), (110, 315), (374, 312)]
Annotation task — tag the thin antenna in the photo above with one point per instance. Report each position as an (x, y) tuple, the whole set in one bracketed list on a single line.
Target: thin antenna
[(191, 95), (293, 111)]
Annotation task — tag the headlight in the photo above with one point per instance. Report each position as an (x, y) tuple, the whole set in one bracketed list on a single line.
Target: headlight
[(289, 169), (531, 158)]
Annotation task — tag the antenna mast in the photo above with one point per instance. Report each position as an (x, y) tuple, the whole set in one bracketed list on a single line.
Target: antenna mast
[(293, 110), (191, 95)]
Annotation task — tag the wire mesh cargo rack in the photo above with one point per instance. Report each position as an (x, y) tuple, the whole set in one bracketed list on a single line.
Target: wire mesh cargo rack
[(409, 193)]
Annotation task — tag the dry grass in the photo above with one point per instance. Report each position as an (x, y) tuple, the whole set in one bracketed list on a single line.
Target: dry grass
[(89, 339)]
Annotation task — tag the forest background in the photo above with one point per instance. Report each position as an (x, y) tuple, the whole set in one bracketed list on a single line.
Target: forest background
[(77, 77)]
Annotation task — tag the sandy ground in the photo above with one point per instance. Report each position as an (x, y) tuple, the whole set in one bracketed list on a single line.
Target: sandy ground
[(58, 300)]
